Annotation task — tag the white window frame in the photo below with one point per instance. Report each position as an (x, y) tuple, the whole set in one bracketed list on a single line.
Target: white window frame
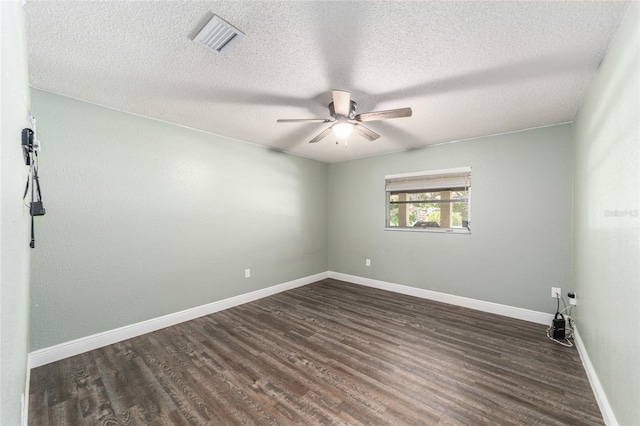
[(436, 183)]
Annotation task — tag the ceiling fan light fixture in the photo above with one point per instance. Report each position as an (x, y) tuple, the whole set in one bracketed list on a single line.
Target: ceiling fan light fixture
[(342, 129)]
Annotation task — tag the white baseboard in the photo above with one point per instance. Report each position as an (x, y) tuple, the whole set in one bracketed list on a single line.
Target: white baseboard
[(88, 343), (98, 340), (601, 398), (480, 305)]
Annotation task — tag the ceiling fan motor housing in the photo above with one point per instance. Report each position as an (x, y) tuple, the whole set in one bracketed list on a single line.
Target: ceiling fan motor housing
[(352, 111)]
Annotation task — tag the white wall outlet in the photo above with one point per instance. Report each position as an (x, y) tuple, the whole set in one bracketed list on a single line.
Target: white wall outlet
[(556, 292), (247, 273), (367, 262)]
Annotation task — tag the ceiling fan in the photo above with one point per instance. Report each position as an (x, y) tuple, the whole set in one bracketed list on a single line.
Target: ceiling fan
[(345, 120)]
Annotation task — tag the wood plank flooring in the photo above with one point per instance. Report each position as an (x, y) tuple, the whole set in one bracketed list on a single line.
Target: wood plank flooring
[(326, 353)]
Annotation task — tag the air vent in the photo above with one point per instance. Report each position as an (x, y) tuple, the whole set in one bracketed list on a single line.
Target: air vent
[(218, 35)]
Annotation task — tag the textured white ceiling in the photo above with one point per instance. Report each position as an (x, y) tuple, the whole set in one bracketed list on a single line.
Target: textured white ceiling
[(466, 69)]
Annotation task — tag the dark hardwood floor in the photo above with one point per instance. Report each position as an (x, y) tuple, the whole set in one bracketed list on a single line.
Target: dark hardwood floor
[(326, 353)]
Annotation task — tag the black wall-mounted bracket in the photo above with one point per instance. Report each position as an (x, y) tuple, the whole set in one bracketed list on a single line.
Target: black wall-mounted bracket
[(30, 148), (27, 145)]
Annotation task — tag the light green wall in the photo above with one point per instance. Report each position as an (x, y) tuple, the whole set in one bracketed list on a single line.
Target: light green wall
[(146, 218), (607, 193), (520, 245), (14, 216)]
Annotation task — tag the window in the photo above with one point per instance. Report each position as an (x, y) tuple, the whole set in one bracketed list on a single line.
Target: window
[(435, 201)]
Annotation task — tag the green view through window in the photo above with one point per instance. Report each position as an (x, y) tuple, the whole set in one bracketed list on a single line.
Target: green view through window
[(436, 201)]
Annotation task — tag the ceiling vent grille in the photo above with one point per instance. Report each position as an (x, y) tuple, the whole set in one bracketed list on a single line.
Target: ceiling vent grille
[(218, 35)]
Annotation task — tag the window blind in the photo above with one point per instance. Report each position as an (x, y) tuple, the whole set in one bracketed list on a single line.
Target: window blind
[(439, 180)]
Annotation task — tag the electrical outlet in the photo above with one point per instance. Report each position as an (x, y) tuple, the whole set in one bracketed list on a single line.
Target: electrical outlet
[(367, 262), (247, 273), (556, 292)]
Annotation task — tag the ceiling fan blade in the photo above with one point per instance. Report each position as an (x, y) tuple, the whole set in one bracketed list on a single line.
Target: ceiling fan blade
[(324, 133), (384, 115), (367, 133), (341, 102), (303, 120)]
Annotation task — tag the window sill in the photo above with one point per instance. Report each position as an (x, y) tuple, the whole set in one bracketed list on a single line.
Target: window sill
[(433, 230)]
